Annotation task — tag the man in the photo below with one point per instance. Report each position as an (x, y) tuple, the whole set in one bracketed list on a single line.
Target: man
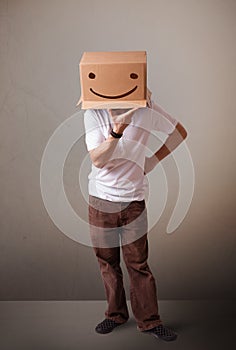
[(116, 141)]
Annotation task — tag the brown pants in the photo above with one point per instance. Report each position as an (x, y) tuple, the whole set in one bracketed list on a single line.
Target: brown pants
[(110, 223)]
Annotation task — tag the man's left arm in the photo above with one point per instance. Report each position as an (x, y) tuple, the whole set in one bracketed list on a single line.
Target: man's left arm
[(172, 141)]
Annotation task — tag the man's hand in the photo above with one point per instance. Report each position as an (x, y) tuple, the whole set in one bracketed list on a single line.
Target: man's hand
[(121, 118), (172, 141), (150, 163)]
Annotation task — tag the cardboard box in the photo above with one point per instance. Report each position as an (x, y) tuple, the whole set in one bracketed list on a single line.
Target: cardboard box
[(113, 79)]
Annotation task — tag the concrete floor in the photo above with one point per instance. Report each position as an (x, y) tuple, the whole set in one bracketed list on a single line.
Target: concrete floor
[(69, 325)]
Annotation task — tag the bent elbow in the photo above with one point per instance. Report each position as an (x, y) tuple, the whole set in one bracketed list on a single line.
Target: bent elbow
[(183, 132), (95, 159), (97, 164)]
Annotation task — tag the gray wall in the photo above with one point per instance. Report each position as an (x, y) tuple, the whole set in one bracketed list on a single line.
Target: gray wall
[(191, 71)]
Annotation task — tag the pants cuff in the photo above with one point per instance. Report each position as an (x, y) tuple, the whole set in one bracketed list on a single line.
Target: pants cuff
[(117, 319), (149, 326)]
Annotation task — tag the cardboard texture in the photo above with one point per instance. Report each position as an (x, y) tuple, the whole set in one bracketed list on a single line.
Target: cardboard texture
[(113, 79)]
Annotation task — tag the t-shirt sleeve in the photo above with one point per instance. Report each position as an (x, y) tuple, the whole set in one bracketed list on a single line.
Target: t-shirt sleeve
[(162, 120), (93, 133)]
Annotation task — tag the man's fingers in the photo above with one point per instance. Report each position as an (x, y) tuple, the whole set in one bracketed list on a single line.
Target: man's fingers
[(131, 111), (123, 118)]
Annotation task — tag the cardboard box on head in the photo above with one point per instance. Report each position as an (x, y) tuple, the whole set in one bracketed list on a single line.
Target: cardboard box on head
[(116, 79)]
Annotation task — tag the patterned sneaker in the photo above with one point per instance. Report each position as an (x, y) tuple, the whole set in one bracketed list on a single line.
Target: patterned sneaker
[(162, 332), (106, 326)]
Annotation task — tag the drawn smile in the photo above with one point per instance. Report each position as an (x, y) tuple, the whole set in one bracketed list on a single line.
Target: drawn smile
[(114, 97)]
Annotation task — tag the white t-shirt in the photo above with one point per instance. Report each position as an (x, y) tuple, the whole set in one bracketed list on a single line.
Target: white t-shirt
[(122, 179)]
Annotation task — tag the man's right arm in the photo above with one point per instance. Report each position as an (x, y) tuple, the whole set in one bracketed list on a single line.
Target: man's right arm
[(101, 154)]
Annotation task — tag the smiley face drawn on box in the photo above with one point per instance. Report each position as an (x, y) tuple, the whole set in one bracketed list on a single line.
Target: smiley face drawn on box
[(91, 75), (113, 79)]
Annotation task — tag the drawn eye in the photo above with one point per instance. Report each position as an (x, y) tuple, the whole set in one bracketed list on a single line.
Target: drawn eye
[(134, 76), (92, 75)]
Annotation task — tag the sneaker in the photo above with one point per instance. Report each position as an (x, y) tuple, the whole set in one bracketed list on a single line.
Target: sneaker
[(162, 332), (106, 326)]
